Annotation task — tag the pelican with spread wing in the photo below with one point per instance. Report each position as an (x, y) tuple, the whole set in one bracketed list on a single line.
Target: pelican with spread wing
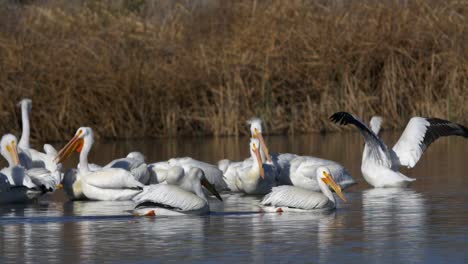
[(380, 164)]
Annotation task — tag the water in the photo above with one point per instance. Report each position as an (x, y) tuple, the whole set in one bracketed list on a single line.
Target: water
[(424, 223)]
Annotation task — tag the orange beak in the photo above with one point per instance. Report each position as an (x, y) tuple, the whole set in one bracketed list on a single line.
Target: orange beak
[(331, 182), (13, 152), (259, 136), (76, 143), (259, 160)]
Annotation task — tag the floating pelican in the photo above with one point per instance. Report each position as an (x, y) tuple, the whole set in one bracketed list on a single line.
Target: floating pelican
[(15, 184), (300, 170), (251, 176), (295, 199), (135, 163), (183, 194), (31, 158), (104, 184), (212, 173), (380, 164)]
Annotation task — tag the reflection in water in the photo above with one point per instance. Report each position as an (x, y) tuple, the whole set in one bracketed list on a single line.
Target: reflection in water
[(419, 224), (392, 216)]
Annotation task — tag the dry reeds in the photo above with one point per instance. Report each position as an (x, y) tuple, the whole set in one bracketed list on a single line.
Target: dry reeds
[(164, 68)]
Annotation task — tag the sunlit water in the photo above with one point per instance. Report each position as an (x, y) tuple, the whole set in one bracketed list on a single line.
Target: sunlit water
[(425, 223)]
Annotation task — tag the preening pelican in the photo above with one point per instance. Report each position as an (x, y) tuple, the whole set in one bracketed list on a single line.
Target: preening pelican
[(15, 184), (105, 184), (300, 170), (251, 176), (296, 199), (212, 173), (380, 164), (183, 194)]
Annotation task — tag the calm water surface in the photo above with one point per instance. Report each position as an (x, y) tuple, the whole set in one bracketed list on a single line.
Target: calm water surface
[(425, 223)]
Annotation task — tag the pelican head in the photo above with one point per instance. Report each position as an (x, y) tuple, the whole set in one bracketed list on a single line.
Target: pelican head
[(26, 104), (8, 149), (324, 174), (255, 152), (75, 144), (196, 175), (256, 132), (136, 156)]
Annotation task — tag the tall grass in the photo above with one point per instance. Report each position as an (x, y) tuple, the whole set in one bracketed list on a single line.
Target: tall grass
[(164, 68)]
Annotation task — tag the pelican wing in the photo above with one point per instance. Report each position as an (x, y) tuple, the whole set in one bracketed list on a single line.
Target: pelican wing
[(169, 196), (158, 171), (420, 133), (17, 177), (25, 158), (138, 168), (377, 148), (50, 150), (212, 173), (112, 178), (376, 124), (43, 178), (295, 197), (304, 171)]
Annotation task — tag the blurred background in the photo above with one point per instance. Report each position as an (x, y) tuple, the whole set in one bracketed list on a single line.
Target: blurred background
[(140, 68)]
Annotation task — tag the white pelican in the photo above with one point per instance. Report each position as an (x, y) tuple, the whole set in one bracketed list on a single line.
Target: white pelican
[(251, 176), (31, 158), (112, 184), (15, 183), (380, 164), (300, 170), (295, 199), (135, 163), (212, 173), (183, 194)]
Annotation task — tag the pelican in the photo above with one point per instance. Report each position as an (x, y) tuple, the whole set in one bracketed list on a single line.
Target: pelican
[(295, 199), (300, 170), (183, 194), (135, 163), (113, 184), (380, 164), (213, 174), (251, 176), (31, 158), (15, 183)]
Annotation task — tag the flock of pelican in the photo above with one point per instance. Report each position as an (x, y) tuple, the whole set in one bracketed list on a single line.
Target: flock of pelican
[(288, 182)]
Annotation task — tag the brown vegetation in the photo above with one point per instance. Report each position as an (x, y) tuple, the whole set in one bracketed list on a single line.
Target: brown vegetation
[(162, 68)]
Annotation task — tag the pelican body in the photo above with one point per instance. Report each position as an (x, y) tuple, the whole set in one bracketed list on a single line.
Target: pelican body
[(212, 173), (380, 164), (295, 199), (250, 176), (106, 184), (181, 195)]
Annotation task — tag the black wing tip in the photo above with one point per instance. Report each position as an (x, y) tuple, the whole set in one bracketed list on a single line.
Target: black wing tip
[(452, 128), (341, 118)]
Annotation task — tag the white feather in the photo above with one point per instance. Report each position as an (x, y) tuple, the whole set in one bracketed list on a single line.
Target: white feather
[(295, 197)]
